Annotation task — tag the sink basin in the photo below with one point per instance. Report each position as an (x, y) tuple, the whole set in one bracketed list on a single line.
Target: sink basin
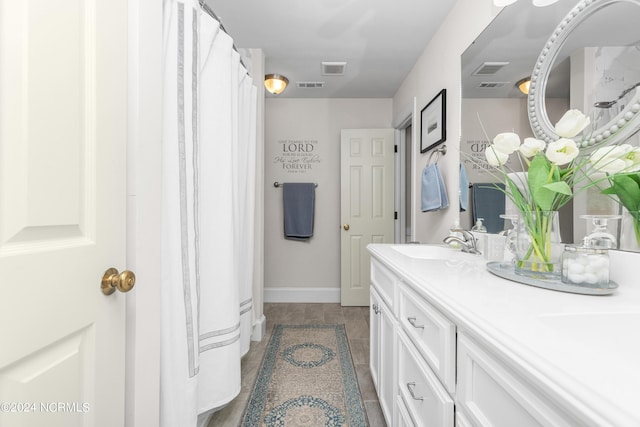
[(425, 251)]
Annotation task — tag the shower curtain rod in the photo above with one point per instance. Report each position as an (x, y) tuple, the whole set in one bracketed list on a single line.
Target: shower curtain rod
[(212, 14)]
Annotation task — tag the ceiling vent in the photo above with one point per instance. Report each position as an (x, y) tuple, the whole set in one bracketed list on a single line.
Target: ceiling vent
[(491, 85), (489, 68), (333, 68), (310, 85)]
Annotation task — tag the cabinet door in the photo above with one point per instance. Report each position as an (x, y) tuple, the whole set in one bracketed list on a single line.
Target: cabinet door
[(493, 395), (402, 415), (382, 353), (387, 390), (374, 338)]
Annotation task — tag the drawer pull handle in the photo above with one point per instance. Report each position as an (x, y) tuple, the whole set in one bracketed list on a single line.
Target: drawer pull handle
[(412, 320), (410, 387)]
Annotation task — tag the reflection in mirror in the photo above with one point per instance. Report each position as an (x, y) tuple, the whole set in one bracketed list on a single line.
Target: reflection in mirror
[(604, 75), (595, 65), (504, 53)]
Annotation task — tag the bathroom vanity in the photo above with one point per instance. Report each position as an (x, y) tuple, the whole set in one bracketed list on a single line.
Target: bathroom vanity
[(452, 344)]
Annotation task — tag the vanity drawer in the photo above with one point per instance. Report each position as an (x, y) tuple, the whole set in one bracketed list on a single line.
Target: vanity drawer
[(433, 334), (426, 400), (461, 419), (384, 281), (491, 394), (404, 419)]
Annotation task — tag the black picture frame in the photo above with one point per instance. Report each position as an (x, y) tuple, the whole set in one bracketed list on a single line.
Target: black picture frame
[(433, 123)]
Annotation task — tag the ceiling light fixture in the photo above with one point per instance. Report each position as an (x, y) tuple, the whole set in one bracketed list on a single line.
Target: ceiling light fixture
[(275, 83), (538, 3), (523, 85)]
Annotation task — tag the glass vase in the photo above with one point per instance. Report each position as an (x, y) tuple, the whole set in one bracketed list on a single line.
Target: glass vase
[(630, 231), (537, 245)]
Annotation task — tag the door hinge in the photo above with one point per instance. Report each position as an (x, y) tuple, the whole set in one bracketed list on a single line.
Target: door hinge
[(395, 215), (395, 148)]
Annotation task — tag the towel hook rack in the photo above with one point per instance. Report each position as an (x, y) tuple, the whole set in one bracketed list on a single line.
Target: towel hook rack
[(279, 184), (438, 152)]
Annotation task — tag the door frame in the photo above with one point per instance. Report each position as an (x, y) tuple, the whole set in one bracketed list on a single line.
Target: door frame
[(144, 174), (409, 118)]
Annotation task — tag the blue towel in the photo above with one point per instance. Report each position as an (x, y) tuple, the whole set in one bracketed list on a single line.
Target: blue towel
[(434, 193), (488, 203), (298, 203), (464, 189)]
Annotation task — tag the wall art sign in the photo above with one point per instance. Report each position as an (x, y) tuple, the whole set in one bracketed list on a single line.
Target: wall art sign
[(433, 124), (297, 156)]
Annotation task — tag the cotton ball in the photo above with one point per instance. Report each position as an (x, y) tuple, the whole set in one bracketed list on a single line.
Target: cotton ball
[(576, 268), (575, 277), (590, 278)]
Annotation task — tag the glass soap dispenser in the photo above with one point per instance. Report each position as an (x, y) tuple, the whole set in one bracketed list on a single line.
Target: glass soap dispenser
[(479, 227)]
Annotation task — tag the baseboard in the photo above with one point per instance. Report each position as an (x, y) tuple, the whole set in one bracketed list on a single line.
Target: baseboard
[(318, 295), (259, 329)]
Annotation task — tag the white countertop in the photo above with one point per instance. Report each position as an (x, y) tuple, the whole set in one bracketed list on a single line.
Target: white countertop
[(581, 349)]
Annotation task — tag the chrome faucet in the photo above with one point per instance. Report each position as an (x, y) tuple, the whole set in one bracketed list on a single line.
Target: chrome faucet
[(468, 241)]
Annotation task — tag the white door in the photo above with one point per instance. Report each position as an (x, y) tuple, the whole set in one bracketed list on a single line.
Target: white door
[(63, 111), (367, 214)]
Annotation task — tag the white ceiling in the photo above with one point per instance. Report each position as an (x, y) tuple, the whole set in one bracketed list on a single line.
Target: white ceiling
[(379, 39)]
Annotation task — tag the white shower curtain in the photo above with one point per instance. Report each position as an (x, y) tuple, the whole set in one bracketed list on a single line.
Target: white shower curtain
[(207, 218)]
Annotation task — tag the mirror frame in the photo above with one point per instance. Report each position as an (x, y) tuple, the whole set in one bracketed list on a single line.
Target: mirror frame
[(621, 127)]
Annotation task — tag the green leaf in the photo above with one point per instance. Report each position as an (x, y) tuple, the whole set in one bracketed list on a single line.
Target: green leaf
[(538, 173), (628, 191), (515, 195), (559, 187)]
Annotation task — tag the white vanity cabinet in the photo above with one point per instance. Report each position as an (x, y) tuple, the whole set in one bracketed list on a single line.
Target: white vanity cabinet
[(449, 348), (412, 354), (383, 337)]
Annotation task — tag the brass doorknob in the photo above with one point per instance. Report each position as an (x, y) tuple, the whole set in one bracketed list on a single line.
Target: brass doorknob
[(112, 280), (346, 227)]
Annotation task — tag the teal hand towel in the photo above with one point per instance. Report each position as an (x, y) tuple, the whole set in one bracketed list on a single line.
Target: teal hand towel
[(299, 208), (464, 189), (434, 193), (488, 204)]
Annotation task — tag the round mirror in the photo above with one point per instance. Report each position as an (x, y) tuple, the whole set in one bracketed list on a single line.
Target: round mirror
[(607, 27)]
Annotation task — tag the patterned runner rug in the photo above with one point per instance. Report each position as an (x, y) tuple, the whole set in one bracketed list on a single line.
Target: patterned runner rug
[(307, 378)]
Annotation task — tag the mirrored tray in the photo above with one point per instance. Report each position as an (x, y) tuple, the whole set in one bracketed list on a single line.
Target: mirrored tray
[(506, 271)]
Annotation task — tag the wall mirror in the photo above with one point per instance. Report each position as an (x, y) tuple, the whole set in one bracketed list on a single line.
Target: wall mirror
[(600, 41), (591, 65)]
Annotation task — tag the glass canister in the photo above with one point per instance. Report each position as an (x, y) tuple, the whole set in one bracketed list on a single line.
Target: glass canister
[(585, 266)]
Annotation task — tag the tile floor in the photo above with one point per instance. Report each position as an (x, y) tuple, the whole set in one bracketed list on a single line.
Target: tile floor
[(356, 321)]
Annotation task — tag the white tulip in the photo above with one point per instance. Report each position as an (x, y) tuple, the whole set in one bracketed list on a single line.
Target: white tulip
[(531, 146), (572, 123), (507, 142), (612, 159), (495, 157), (562, 151), (633, 160)]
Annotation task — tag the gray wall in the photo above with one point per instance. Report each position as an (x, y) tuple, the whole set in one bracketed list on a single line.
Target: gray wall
[(316, 123)]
